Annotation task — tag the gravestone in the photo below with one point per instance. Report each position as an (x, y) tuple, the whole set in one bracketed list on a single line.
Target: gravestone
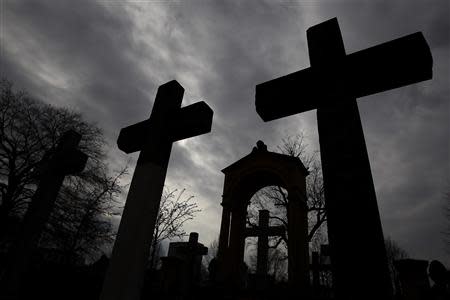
[(153, 138), (263, 231), (413, 278), (315, 268), (182, 266), (318, 267), (441, 280), (331, 85), (65, 160)]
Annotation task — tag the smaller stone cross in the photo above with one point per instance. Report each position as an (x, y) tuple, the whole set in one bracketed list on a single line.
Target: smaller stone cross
[(65, 160), (182, 267), (263, 231), (194, 248), (317, 266)]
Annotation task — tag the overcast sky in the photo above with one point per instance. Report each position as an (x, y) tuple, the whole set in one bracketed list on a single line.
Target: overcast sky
[(106, 59)]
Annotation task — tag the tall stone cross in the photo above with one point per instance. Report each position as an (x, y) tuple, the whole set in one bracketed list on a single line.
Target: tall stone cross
[(153, 138), (331, 85), (263, 231), (65, 160)]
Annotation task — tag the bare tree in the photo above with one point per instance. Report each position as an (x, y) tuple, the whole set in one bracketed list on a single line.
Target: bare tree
[(394, 252), (175, 210), (275, 199), (30, 130)]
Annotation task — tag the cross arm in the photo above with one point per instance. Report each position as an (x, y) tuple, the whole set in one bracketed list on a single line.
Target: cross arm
[(249, 231), (66, 158), (281, 97), (276, 230), (131, 138), (191, 120), (70, 162), (390, 65), (269, 231), (188, 121), (394, 64), (196, 249)]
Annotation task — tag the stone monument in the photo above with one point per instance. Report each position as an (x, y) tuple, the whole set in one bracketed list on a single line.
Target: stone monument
[(65, 160), (153, 138), (331, 85), (182, 266)]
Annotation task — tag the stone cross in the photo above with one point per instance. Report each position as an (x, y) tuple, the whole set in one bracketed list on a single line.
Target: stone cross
[(181, 269), (318, 267), (263, 231), (65, 160), (194, 248), (331, 85), (153, 138), (192, 254)]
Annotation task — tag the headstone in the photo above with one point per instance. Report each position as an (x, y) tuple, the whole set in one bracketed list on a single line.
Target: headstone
[(262, 232), (212, 270), (318, 267), (182, 267), (331, 85), (413, 278), (441, 278), (315, 267), (153, 138), (65, 160)]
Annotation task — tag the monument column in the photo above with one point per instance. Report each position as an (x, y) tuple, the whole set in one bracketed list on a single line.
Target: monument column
[(263, 243), (224, 230), (298, 250), (235, 251)]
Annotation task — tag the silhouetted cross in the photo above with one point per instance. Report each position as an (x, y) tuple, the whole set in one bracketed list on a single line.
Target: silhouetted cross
[(153, 137), (263, 231), (66, 159), (331, 85)]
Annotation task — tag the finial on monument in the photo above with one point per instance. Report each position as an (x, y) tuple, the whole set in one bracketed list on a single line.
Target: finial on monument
[(193, 237), (260, 147)]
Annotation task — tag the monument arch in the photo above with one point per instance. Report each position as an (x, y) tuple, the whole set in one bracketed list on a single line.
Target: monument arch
[(243, 179)]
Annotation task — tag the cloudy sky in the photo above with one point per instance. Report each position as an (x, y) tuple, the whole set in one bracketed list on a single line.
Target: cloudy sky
[(106, 59)]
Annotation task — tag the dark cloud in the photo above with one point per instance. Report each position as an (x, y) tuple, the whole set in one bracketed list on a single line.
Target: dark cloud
[(106, 59), (78, 54)]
